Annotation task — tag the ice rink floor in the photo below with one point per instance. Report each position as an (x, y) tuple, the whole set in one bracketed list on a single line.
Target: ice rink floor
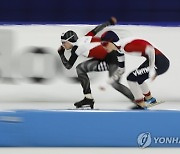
[(69, 105)]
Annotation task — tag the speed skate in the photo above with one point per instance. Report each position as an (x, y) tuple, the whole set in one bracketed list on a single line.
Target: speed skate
[(87, 107), (148, 105)]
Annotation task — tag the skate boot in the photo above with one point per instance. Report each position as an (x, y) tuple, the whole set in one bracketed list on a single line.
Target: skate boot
[(86, 102), (150, 102)]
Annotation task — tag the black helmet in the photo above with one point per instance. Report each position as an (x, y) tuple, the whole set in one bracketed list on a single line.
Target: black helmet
[(70, 36), (109, 36)]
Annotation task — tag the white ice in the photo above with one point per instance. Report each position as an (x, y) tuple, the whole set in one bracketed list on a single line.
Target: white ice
[(69, 105)]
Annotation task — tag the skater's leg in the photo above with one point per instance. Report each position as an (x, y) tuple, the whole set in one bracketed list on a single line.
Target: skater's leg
[(82, 70)]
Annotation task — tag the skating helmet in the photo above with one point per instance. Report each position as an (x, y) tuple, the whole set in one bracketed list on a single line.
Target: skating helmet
[(70, 36), (109, 36)]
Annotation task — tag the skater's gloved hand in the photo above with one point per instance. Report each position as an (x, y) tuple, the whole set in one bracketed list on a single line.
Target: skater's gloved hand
[(61, 50), (152, 74), (113, 20)]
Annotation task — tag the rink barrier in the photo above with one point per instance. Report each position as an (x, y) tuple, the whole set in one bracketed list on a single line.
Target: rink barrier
[(89, 128)]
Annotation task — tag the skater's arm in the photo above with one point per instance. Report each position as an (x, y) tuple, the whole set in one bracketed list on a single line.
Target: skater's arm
[(121, 60), (150, 51), (68, 63), (120, 55), (112, 21)]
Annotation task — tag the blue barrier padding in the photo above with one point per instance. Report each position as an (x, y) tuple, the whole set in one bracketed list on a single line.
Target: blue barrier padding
[(89, 128)]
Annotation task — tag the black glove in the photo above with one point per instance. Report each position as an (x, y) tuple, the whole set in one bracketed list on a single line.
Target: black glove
[(61, 50), (112, 20)]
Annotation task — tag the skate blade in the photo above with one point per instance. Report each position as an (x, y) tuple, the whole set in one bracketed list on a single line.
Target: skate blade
[(154, 104), (84, 107)]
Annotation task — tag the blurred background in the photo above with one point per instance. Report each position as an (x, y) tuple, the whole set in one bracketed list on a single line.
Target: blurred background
[(33, 77), (80, 11)]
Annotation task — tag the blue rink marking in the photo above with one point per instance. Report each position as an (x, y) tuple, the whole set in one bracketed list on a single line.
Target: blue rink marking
[(90, 128)]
